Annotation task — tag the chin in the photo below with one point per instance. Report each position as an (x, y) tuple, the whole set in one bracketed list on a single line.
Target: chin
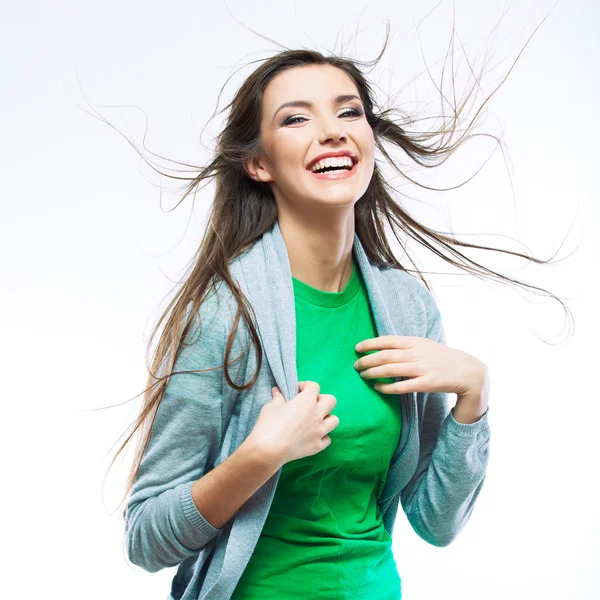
[(336, 199)]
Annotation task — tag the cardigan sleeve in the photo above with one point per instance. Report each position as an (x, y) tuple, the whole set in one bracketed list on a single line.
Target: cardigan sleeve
[(164, 526), (440, 497)]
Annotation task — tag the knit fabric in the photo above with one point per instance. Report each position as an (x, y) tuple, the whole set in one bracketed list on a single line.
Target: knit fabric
[(324, 524), (435, 474)]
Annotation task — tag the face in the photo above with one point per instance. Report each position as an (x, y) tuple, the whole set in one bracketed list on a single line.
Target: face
[(293, 136)]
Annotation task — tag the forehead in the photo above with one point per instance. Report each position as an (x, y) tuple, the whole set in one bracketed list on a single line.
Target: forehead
[(311, 82)]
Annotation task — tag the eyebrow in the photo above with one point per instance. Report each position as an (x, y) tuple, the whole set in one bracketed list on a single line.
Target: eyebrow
[(306, 104)]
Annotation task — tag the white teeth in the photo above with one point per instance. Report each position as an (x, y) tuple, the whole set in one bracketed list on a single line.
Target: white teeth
[(342, 161)]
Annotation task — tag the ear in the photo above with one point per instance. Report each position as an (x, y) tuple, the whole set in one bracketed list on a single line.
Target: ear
[(257, 171)]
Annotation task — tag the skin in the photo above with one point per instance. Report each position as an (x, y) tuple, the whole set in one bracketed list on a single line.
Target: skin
[(316, 218)]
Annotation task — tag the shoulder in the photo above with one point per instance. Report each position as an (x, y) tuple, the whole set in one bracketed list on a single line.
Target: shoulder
[(218, 306), (421, 302), (218, 313), (414, 288), (209, 322)]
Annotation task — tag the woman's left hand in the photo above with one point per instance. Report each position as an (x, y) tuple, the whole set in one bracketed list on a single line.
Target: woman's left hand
[(431, 366)]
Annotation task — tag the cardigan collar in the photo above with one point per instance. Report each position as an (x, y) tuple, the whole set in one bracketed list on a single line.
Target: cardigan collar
[(264, 273)]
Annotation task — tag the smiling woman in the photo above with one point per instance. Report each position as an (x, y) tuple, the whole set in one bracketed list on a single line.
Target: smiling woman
[(313, 123), (239, 483)]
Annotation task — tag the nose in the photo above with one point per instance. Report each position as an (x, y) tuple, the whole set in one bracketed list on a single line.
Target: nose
[(333, 129)]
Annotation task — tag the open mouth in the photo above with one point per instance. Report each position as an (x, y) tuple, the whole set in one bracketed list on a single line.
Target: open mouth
[(339, 171)]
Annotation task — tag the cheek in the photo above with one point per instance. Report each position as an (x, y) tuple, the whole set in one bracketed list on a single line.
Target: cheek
[(288, 151), (366, 141)]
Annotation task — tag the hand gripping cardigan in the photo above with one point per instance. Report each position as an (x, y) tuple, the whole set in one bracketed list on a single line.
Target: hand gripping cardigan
[(436, 472)]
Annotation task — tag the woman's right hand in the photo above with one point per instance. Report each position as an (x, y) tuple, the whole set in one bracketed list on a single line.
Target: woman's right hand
[(290, 430)]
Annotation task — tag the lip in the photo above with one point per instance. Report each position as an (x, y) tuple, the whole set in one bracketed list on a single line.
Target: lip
[(333, 154)]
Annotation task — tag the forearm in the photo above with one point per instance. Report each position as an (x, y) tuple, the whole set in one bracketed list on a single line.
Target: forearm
[(440, 497), (220, 493)]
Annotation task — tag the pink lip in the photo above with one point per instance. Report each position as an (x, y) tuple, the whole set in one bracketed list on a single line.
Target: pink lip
[(343, 174)]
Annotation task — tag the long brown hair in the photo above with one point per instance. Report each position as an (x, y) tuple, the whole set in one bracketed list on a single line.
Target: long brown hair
[(244, 209)]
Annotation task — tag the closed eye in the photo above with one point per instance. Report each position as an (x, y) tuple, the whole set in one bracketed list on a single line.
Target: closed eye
[(353, 112)]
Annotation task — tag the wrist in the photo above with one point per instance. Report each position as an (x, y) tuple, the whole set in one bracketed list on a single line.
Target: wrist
[(261, 455), (477, 392), (467, 414), (470, 407)]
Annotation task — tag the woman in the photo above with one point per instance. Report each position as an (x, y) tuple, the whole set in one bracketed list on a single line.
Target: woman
[(289, 485)]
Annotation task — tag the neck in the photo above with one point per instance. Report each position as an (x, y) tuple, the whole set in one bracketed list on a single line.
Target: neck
[(320, 256)]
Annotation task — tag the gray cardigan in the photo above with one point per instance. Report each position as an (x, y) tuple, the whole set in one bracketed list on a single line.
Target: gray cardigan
[(435, 474)]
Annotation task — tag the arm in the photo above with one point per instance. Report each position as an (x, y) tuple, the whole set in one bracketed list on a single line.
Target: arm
[(224, 490), (165, 524), (453, 456)]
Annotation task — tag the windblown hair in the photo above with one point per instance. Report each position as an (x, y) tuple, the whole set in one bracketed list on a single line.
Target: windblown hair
[(244, 209)]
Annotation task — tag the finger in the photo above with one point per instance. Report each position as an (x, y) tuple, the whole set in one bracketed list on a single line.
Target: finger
[(276, 394), (384, 357), (392, 369), (399, 387), (385, 341)]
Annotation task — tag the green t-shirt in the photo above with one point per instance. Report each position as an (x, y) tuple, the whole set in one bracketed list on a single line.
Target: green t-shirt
[(324, 537)]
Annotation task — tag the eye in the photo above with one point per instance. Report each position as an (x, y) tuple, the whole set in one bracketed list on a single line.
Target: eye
[(353, 112), (292, 120)]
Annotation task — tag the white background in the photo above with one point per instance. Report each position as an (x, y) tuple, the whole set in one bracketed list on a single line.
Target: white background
[(90, 256)]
